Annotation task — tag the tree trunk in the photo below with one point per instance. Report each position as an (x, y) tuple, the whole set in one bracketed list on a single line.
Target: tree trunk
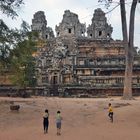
[(124, 22), (127, 93)]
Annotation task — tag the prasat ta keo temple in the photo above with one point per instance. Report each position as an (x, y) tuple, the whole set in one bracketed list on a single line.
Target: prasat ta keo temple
[(81, 60)]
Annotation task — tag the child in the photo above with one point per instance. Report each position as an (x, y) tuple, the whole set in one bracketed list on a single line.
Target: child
[(58, 122), (110, 110), (46, 121)]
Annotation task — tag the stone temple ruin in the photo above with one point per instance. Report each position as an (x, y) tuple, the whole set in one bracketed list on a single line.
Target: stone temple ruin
[(73, 63)]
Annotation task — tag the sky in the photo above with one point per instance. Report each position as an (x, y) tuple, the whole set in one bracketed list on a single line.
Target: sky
[(54, 10)]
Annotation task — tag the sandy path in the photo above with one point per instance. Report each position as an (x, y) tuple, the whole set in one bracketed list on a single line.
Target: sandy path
[(83, 119)]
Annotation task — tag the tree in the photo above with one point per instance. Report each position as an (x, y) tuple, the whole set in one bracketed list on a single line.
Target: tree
[(7, 36), (10, 7), (16, 47), (23, 63), (129, 44), (127, 93)]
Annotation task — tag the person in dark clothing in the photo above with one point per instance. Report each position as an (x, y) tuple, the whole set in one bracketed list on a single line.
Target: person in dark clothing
[(46, 121)]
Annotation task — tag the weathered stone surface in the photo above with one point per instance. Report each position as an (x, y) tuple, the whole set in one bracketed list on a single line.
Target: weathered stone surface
[(91, 64), (39, 24), (70, 25), (99, 28)]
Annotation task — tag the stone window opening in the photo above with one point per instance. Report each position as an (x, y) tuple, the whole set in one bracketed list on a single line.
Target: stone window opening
[(100, 33), (46, 36), (57, 33), (83, 72), (69, 31), (90, 35), (138, 80), (44, 79), (54, 79), (108, 35)]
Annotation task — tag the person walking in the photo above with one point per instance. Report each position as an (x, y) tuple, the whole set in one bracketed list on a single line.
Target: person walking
[(110, 112)]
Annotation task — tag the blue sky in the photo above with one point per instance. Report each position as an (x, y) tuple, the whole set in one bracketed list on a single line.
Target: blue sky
[(54, 10)]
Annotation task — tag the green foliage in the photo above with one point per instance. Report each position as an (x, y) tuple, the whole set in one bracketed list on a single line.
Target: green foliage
[(16, 47), (24, 72), (23, 63), (8, 37), (10, 7)]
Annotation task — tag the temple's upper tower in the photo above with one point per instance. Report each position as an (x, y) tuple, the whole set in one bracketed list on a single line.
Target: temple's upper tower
[(99, 29), (39, 24), (70, 25)]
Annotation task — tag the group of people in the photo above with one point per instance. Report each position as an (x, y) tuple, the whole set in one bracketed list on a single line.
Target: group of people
[(46, 121), (59, 119)]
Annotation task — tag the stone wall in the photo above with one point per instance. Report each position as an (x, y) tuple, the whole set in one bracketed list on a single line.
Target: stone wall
[(71, 58)]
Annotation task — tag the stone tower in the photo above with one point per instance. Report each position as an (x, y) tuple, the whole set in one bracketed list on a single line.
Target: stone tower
[(39, 24), (70, 26), (99, 29)]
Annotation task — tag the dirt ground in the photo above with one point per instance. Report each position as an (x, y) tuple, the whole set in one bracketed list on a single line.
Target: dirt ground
[(83, 119)]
